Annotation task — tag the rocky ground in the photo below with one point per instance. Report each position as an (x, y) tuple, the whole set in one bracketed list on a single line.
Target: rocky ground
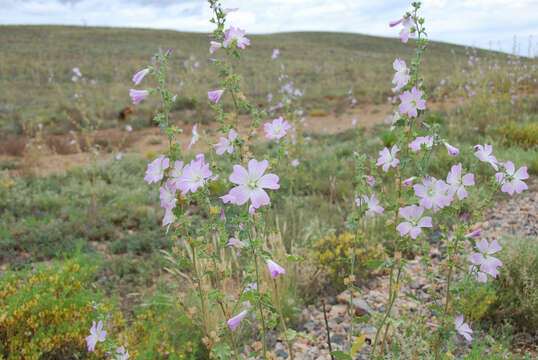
[(514, 216)]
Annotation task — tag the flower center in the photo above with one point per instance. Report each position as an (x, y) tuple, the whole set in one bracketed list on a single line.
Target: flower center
[(414, 103), (252, 184)]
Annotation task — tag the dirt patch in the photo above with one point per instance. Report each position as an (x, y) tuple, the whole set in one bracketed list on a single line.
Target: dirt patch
[(59, 153)]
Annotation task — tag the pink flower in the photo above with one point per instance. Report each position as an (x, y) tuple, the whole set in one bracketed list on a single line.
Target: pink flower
[(371, 180), (238, 244), (457, 182), (452, 151), (416, 144), (251, 184), (433, 193), (237, 35), (234, 322), (411, 102), (431, 325), (275, 269), (393, 118), (463, 328), (488, 264), (96, 335), (226, 144), (295, 162), (388, 158), (275, 54), (137, 78), (175, 173), (119, 156), (214, 96), (408, 181), (122, 354), (214, 46), (475, 233), (195, 136), (276, 129), (353, 121), (194, 175), (407, 27), (167, 194), (372, 204), (138, 95), (511, 180), (402, 77), (483, 153), (169, 217), (77, 72), (415, 222), (155, 170)]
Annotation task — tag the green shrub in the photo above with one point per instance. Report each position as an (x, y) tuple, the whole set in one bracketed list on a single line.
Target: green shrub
[(161, 331), (475, 298), (329, 252), (514, 134), (46, 312), (517, 284)]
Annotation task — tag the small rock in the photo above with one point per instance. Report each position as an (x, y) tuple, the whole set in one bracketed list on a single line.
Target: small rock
[(361, 307), (281, 353), (338, 339)]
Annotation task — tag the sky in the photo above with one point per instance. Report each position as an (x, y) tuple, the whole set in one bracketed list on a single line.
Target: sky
[(481, 23)]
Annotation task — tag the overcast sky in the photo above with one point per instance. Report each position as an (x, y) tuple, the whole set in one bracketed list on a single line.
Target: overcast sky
[(468, 22)]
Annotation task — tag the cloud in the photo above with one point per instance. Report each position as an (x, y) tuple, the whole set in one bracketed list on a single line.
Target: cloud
[(468, 22)]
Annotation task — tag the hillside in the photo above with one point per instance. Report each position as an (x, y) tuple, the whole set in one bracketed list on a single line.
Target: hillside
[(36, 63)]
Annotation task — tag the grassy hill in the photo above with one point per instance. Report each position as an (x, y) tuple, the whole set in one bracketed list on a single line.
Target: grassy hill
[(37, 61)]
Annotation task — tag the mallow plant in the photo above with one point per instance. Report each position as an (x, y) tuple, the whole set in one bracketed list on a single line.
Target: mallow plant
[(419, 203), (216, 211), (229, 229)]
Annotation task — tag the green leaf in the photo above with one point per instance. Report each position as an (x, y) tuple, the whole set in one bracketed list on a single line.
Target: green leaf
[(221, 351), (341, 355), (409, 295), (361, 319), (374, 264), (359, 342), (290, 334), (303, 335), (295, 258)]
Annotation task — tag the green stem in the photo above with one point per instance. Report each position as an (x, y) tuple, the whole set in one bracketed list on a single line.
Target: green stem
[(200, 293), (282, 321), (260, 307), (230, 333)]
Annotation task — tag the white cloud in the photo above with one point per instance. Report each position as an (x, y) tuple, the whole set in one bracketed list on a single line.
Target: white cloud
[(469, 22)]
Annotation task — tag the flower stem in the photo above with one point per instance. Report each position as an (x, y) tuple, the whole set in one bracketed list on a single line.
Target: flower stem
[(199, 288), (282, 321), (260, 307)]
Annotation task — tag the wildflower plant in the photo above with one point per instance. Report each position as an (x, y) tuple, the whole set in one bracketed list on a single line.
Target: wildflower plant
[(233, 225), (412, 210)]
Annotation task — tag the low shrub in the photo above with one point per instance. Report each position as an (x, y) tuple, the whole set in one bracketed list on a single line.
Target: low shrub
[(523, 135), (330, 250), (46, 312), (318, 113), (517, 284)]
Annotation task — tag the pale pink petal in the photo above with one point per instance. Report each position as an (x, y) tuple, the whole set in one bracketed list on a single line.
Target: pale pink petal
[(239, 175), (269, 181), (239, 194), (259, 198), (257, 168)]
